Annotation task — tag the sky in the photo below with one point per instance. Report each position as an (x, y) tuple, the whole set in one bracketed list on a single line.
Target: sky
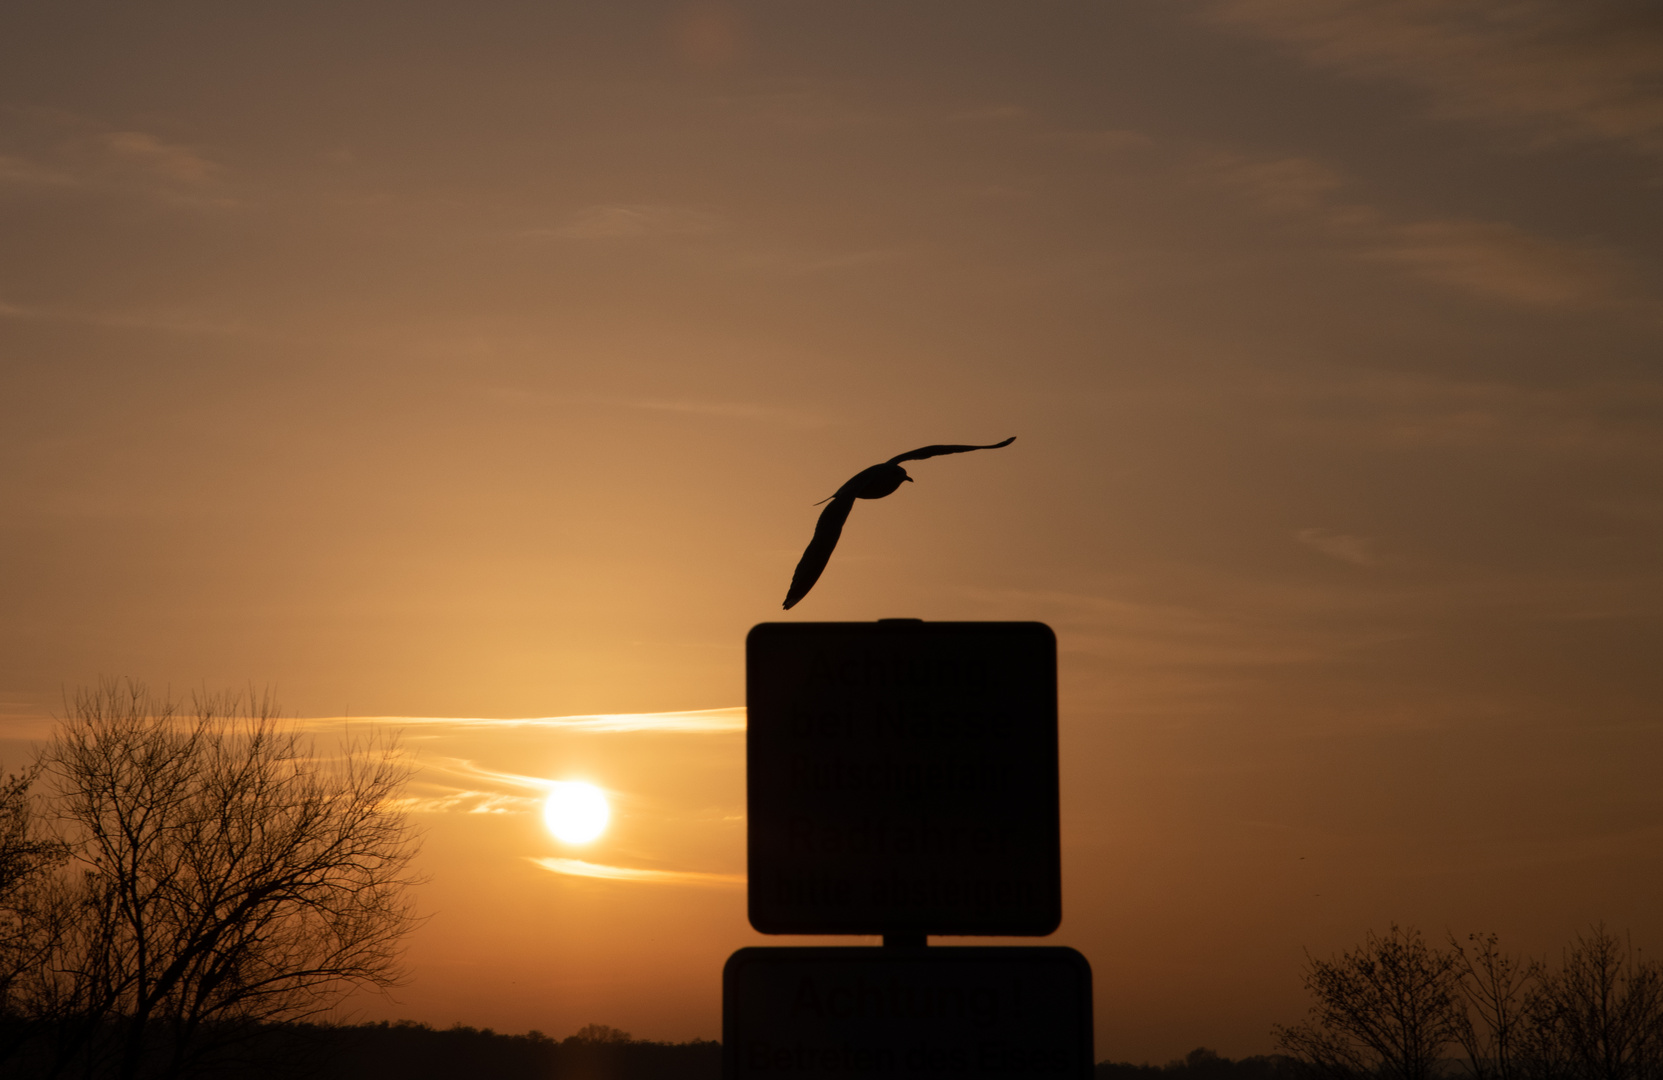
[(471, 371)]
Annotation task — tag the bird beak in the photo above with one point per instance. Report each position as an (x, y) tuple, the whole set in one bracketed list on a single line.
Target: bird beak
[(908, 479)]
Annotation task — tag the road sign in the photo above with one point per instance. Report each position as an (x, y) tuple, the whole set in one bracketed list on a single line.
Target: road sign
[(836, 1012), (902, 778)]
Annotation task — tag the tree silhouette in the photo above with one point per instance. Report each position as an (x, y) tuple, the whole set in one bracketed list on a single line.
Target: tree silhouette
[(1390, 1007), (1387, 1009), (1599, 1016), (34, 911), (228, 876), (1498, 991)]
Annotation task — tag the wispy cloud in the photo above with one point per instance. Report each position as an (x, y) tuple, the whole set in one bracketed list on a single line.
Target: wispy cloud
[(1605, 420), (846, 260), (991, 114), (468, 802), (690, 722), (1558, 71), (472, 770), (616, 221), (795, 261), (20, 172), (579, 868), (1503, 262), (479, 802), (730, 410), (1101, 140), (170, 160), (1489, 259), (1256, 626), (178, 322), (1356, 550), (725, 410), (75, 154)]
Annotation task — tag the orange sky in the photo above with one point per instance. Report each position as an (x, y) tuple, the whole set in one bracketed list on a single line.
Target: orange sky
[(428, 361)]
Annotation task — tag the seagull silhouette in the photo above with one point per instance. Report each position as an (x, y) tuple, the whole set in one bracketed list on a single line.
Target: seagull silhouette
[(872, 483)]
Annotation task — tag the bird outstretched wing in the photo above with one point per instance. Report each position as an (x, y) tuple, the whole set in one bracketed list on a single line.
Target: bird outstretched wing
[(944, 448), (819, 550)]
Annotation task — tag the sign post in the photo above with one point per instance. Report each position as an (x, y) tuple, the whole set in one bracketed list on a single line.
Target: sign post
[(902, 781)]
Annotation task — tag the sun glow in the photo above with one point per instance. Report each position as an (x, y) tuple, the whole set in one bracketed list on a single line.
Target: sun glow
[(576, 812)]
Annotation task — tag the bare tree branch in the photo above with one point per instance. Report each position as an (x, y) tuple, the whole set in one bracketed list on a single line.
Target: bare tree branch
[(1386, 1009), (228, 874)]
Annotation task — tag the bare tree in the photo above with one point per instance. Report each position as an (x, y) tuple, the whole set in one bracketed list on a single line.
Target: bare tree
[(1600, 1015), (228, 873), (1498, 992), (1387, 1008), (34, 913)]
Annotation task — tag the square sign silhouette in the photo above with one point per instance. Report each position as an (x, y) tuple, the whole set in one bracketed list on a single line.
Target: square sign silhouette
[(902, 778), (874, 1013)]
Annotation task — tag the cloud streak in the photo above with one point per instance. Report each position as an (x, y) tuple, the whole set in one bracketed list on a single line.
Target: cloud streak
[(689, 722), (579, 868), (160, 321), (1490, 260), (613, 221), (78, 156), (468, 802), (1560, 71), (716, 409), (164, 159), (1342, 547)]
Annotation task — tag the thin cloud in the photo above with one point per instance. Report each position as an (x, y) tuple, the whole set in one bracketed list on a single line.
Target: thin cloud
[(1489, 259), (20, 172), (467, 802), (992, 113), (164, 159), (813, 109), (1107, 140), (727, 410), (1503, 262), (1256, 626), (723, 410), (1343, 547), (793, 261), (473, 771), (579, 868), (689, 722), (79, 155), (850, 260), (623, 222), (1281, 185), (1559, 71), (167, 322), (1600, 421)]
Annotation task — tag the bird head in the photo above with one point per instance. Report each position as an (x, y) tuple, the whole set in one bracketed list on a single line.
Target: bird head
[(878, 481)]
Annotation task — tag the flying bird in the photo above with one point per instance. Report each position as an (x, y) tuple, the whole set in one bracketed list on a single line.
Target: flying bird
[(872, 483)]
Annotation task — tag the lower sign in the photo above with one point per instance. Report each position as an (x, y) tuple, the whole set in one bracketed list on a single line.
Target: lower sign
[(878, 1012)]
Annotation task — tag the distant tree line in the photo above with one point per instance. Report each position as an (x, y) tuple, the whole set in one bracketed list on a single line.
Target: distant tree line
[(410, 1051), (1400, 1008), (175, 882), (1204, 1064)]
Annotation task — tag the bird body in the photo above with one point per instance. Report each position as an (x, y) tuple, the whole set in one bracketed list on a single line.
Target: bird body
[(874, 482)]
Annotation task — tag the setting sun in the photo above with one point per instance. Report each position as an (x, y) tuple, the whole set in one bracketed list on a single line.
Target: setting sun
[(576, 812)]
